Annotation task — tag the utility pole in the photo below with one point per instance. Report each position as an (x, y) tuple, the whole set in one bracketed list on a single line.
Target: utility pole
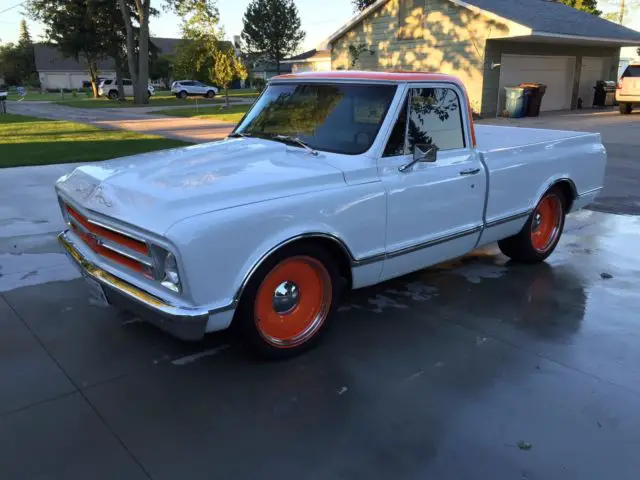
[(622, 12)]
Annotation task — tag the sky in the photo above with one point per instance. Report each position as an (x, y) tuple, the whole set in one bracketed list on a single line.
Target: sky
[(320, 18)]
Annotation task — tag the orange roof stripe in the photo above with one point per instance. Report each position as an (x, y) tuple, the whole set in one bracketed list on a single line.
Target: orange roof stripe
[(390, 76)]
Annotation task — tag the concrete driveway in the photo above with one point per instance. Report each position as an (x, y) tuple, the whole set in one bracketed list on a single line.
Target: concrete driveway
[(474, 369)]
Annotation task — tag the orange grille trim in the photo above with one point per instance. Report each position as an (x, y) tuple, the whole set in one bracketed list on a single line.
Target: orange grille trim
[(115, 237)]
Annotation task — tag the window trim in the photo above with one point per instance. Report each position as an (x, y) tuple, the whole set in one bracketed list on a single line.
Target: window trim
[(464, 120)]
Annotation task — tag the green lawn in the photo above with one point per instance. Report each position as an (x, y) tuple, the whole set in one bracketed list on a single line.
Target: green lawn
[(37, 141), (164, 101), (36, 96), (232, 114)]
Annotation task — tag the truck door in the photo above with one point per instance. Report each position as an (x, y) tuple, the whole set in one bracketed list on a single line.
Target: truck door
[(434, 208)]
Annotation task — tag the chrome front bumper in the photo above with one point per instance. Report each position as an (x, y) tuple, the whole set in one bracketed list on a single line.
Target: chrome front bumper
[(183, 322)]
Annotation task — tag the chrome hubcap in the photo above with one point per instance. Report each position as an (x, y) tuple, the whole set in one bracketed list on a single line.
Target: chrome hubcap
[(286, 297), (537, 221)]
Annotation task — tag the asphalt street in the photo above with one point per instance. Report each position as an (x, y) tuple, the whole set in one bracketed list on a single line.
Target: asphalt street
[(474, 369)]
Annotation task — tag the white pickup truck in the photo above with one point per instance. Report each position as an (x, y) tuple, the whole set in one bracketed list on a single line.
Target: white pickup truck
[(332, 181)]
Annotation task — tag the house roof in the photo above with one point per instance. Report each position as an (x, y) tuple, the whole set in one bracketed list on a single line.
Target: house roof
[(48, 58), (542, 17), (309, 55)]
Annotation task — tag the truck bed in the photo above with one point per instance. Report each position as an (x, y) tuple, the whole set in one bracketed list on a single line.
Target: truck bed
[(495, 137)]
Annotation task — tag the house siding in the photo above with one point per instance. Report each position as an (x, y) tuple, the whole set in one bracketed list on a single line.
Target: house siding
[(437, 36), (495, 49)]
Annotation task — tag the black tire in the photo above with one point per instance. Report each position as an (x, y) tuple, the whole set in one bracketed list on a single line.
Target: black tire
[(246, 322), (521, 247), (182, 94), (625, 108), (113, 94), (210, 94)]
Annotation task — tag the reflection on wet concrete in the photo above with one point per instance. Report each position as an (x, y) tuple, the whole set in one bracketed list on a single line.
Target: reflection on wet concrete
[(436, 375)]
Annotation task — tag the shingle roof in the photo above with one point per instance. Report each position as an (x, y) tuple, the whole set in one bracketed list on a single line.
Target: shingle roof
[(308, 54), (48, 57), (554, 17), (541, 16)]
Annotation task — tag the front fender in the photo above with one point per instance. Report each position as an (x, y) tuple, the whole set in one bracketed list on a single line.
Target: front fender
[(219, 250)]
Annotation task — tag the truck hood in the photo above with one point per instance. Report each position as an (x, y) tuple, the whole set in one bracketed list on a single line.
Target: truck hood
[(156, 189)]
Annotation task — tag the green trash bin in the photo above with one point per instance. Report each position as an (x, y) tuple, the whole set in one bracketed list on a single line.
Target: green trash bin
[(517, 102)]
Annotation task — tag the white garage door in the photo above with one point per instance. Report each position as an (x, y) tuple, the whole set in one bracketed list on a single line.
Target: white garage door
[(592, 70), (555, 72), (56, 80)]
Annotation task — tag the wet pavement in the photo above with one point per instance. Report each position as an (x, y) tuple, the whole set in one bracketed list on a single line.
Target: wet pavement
[(474, 369)]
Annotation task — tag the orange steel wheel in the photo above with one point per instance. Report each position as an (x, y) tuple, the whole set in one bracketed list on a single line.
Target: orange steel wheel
[(546, 223), (293, 301)]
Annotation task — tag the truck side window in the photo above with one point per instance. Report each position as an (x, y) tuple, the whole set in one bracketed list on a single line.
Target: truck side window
[(435, 118), (396, 143)]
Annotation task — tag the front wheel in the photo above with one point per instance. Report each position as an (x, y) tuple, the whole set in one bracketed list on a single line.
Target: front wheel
[(541, 233), (113, 95), (288, 302), (182, 94)]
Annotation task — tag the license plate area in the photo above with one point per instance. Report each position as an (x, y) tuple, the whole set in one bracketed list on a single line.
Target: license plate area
[(96, 292)]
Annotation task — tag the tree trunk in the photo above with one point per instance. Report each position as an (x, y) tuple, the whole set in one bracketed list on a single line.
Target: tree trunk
[(131, 44), (118, 62), (142, 95), (93, 74), (622, 12), (278, 63), (226, 96)]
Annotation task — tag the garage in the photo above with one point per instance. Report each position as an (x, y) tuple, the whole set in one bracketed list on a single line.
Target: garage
[(556, 72), (55, 80), (591, 71)]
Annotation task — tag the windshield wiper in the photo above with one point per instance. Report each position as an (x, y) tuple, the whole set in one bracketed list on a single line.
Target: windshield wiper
[(297, 141), (238, 134)]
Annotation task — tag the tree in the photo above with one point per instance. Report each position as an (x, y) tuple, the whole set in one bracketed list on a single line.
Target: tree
[(72, 26), (161, 68), (272, 28), (360, 5), (25, 36), (622, 10), (137, 49), (226, 68), (589, 6)]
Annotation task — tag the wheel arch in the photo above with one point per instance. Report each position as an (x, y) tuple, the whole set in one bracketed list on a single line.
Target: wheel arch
[(566, 185), (332, 243)]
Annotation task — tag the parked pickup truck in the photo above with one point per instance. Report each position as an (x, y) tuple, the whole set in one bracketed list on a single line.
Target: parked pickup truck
[(332, 181)]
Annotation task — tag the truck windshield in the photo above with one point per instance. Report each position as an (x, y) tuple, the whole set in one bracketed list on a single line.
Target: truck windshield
[(334, 118)]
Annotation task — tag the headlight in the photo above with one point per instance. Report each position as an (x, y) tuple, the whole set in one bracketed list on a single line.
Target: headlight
[(171, 278)]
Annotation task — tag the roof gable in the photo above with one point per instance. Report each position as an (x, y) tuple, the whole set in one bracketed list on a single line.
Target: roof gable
[(538, 16)]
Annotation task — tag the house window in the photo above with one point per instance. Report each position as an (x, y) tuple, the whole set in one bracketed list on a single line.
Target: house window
[(410, 19)]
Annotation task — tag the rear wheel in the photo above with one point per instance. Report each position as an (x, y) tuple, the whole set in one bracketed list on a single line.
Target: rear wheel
[(288, 302), (625, 108), (541, 233), (210, 94)]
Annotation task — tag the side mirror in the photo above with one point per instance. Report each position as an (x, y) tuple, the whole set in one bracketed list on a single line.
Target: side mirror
[(421, 153), (425, 153)]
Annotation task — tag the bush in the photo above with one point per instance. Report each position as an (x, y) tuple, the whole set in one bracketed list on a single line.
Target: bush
[(259, 84)]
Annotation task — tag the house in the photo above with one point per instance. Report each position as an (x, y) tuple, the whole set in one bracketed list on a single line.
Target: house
[(264, 69), (56, 71), (489, 44), (310, 61)]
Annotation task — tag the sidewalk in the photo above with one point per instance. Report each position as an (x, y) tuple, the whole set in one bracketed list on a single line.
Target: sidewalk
[(142, 120)]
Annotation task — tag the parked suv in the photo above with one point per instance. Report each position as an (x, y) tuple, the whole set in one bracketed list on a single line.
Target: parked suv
[(109, 88), (185, 88), (628, 91)]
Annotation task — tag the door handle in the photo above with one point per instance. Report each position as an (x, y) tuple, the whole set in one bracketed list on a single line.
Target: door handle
[(470, 171)]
